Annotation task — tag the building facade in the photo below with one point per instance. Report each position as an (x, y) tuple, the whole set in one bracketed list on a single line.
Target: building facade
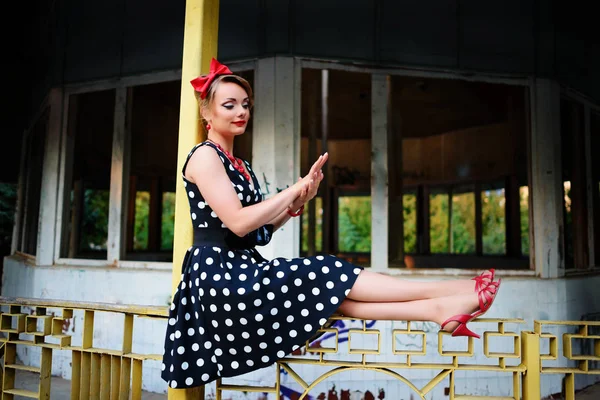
[(461, 136)]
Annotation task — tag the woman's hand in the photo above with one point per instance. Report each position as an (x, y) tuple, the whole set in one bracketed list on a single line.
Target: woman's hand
[(302, 197), (309, 185)]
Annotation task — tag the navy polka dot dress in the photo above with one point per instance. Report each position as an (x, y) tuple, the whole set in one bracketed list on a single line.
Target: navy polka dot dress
[(234, 311)]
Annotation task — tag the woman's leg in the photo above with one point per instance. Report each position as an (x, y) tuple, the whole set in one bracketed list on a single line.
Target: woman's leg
[(374, 287), (436, 310)]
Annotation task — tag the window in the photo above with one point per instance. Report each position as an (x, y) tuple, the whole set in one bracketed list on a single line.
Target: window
[(463, 172), (574, 184), (409, 214), (493, 219), (31, 178), (316, 237), (87, 175), (457, 168), (354, 224), (152, 171), (336, 118)]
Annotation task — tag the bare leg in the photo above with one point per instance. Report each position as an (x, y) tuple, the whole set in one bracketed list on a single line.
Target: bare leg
[(435, 310), (374, 287)]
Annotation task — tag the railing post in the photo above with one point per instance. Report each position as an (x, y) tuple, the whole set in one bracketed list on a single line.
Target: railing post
[(530, 345), (199, 46)]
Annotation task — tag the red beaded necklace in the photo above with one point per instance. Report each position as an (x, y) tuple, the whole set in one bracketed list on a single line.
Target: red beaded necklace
[(236, 162)]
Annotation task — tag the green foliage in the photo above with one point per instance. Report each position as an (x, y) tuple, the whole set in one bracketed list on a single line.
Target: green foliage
[(409, 211), (94, 227), (318, 203), (493, 216), (168, 221), (142, 221), (354, 224), (142, 212), (463, 223), (438, 223)]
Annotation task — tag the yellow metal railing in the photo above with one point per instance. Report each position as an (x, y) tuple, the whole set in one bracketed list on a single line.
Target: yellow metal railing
[(96, 372), (117, 373)]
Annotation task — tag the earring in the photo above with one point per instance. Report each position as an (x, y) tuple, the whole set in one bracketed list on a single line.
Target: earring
[(208, 127)]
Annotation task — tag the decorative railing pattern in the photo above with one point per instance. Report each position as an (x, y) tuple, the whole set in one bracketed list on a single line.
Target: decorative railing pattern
[(96, 372), (117, 373)]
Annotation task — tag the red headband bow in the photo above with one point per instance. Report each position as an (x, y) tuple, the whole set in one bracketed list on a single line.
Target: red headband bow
[(202, 83)]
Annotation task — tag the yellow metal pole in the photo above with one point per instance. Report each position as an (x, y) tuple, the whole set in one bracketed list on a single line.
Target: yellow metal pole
[(530, 345), (199, 46)]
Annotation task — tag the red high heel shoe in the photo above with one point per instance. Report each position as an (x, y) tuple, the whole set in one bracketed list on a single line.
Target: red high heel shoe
[(486, 299), (484, 279)]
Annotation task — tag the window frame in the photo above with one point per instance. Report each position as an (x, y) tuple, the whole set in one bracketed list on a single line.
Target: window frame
[(119, 173), (593, 205)]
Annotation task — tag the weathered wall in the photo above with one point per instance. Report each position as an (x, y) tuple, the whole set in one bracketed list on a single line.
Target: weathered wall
[(520, 297)]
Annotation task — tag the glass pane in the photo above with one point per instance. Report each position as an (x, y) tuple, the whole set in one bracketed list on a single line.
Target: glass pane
[(409, 207), (575, 186), (94, 232), (87, 183), (493, 221), (318, 203), (455, 134), (354, 224), (524, 210), (168, 221), (154, 134), (142, 206), (439, 222), (463, 223), (346, 114)]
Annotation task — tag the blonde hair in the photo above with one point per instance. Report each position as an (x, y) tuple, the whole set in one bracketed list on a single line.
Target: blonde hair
[(204, 103)]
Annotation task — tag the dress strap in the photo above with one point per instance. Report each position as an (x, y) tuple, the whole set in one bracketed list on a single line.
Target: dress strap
[(196, 147)]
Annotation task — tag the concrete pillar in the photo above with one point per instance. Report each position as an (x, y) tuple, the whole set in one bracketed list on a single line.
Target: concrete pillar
[(380, 98), (546, 179), (276, 141)]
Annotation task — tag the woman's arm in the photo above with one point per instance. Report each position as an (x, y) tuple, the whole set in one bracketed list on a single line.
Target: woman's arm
[(307, 194), (206, 170)]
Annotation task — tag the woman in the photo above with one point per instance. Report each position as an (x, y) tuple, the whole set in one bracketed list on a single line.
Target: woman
[(234, 311)]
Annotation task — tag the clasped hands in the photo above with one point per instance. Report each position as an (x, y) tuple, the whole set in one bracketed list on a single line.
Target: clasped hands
[(308, 186)]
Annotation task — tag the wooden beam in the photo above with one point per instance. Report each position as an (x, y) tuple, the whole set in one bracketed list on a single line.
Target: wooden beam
[(395, 185), (313, 129), (65, 185), (591, 187), (329, 236), (579, 195), (512, 217), (50, 182), (75, 217), (119, 177)]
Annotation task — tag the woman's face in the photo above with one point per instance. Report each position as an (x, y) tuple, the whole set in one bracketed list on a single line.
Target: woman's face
[(229, 111)]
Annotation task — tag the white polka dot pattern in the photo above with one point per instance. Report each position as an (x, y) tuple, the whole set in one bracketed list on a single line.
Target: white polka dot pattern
[(234, 311)]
